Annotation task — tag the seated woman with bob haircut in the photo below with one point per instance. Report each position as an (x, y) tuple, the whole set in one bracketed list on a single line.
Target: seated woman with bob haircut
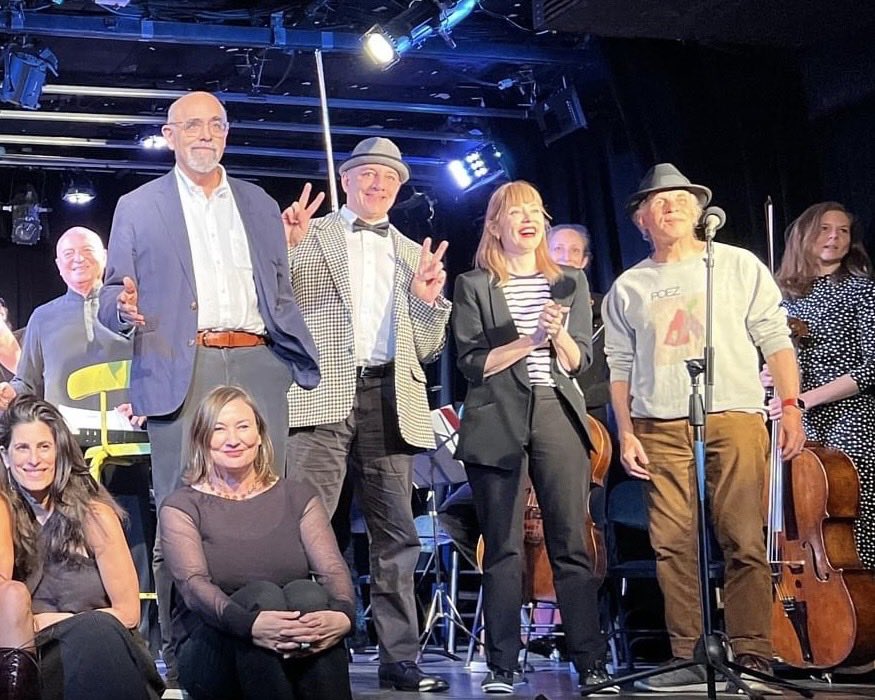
[(242, 545), (68, 588)]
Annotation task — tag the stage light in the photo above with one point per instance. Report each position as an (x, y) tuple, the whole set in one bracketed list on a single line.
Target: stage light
[(78, 190), (75, 194), (26, 222), (422, 20), (153, 142), (479, 167), (24, 74)]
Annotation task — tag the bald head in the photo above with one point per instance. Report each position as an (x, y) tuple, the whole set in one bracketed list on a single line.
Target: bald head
[(194, 101), (81, 258)]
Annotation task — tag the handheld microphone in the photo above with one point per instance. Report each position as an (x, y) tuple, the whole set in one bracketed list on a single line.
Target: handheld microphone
[(713, 218)]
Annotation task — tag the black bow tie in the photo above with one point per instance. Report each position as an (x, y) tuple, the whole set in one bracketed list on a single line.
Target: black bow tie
[(381, 229)]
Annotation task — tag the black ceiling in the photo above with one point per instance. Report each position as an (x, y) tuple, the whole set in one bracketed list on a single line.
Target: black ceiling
[(119, 69), (787, 23)]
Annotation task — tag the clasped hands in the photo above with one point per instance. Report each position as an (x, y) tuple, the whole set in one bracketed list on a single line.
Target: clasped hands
[(293, 633), (551, 322)]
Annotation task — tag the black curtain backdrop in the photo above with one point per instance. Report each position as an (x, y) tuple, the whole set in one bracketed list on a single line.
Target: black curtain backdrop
[(733, 121)]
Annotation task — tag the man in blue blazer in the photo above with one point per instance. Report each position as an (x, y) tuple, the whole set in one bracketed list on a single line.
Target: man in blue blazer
[(197, 272)]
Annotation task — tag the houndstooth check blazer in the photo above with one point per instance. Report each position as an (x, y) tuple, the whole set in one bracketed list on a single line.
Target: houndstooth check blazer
[(320, 278)]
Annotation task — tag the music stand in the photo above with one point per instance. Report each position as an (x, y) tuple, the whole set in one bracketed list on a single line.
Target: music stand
[(431, 469)]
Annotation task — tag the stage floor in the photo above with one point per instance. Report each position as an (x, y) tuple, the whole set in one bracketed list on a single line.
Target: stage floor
[(547, 681)]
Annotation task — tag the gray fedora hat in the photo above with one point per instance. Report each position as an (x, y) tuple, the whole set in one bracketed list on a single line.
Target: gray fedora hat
[(377, 150), (662, 177)]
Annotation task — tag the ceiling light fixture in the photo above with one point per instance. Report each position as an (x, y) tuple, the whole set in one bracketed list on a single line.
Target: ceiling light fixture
[(24, 74), (479, 167), (422, 20), (79, 191), (27, 224)]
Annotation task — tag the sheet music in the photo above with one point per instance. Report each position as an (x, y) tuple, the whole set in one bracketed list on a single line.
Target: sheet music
[(81, 418)]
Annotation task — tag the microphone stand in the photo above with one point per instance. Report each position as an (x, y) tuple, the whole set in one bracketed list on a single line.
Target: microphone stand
[(441, 609), (711, 648)]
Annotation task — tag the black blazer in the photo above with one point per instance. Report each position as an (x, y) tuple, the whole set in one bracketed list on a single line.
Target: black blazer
[(495, 419)]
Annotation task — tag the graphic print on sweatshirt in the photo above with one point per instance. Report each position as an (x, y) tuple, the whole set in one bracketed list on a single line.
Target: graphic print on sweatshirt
[(678, 318)]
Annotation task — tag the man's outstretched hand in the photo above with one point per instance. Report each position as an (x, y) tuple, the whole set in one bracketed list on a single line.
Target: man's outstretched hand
[(127, 304)]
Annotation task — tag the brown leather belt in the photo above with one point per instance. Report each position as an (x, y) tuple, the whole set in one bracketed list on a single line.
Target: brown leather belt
[(229, 339)]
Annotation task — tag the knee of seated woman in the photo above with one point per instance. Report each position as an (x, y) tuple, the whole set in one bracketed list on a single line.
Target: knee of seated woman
[(14, 603), (305, 595), (260, 595)]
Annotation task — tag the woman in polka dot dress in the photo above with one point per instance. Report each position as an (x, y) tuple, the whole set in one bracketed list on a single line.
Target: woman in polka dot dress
[(825, 276)]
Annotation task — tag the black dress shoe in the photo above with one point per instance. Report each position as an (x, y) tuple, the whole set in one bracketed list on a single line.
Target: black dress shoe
[(406, 675)]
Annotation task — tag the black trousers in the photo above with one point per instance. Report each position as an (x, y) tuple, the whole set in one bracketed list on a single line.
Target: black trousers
[(91, 656), (369, 443), (217, 666), (558, 465)]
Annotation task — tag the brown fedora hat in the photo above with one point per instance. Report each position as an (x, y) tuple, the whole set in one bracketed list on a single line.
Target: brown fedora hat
[(662, 177)]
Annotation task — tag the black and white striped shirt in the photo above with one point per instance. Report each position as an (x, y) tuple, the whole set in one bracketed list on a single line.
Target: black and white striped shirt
[(525, 298)]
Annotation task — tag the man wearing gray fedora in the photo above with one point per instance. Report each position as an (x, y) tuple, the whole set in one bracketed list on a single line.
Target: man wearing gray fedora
[(372, 300), (654, 320)]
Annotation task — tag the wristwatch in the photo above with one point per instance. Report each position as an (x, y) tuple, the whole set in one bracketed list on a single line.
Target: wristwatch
[(796, 402)]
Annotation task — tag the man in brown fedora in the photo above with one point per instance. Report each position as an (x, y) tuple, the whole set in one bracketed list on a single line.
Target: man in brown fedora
[(654, 319), (372, 300)]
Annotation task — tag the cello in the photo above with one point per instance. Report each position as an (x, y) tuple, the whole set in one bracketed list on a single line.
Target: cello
[(823, 609)]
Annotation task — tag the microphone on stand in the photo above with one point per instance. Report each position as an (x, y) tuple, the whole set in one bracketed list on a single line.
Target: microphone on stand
[(713, 218)]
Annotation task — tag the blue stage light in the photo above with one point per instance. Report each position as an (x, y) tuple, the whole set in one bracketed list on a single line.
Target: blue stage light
[(24, 74), (478, 167)]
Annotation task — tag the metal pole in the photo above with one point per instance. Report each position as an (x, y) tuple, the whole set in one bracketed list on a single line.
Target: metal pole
[(326, 131)]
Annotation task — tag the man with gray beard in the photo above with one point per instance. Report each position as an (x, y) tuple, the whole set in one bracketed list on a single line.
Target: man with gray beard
[(197, 276)]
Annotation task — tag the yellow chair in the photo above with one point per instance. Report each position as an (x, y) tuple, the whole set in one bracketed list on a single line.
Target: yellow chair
[(101, 379)]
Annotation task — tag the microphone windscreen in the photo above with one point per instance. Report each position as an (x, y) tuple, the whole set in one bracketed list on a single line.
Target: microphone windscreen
[(713, 218)]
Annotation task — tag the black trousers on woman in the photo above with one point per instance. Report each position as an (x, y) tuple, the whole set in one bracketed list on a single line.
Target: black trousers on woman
[(558, 464), (91, 656), (217, 666)]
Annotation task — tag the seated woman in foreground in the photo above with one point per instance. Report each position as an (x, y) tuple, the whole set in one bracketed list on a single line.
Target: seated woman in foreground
[(241, 546), (68, 589)]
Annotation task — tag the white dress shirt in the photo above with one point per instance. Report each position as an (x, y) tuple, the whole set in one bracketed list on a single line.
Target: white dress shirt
[(226, 295), (372, 284)]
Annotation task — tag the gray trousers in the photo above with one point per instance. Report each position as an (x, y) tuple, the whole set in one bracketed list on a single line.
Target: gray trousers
[(267, 380), (369, 443)]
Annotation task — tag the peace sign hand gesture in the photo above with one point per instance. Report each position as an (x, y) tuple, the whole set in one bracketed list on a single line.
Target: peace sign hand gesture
[(430, 275), (296, 218)]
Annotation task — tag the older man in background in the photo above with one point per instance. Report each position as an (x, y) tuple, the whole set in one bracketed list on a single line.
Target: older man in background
[(64, 335)]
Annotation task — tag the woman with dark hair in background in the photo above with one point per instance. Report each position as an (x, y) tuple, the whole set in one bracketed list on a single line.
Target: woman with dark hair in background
[(68, 589), (825, 277), (523, 329), (241, 546)]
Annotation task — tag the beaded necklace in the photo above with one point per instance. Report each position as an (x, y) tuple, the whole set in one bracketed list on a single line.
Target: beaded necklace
[(224, 492)]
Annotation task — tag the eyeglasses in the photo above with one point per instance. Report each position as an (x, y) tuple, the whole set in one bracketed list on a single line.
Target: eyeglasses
[(193, 127)]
